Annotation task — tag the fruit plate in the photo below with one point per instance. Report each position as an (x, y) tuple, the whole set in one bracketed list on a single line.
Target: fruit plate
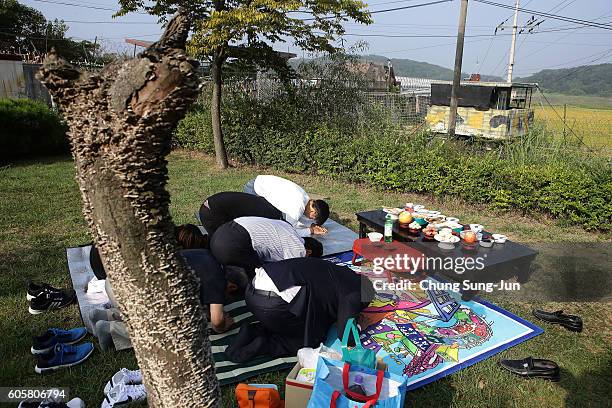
[(453, 239)]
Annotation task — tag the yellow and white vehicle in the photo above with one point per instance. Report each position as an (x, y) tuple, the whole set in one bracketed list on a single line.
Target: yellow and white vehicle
[(491, 110)]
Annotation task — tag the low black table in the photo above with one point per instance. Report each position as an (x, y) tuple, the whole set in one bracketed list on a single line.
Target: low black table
[(502, 261)]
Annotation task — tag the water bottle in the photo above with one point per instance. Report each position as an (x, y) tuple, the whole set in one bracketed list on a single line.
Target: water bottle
[(388, 228), (357, 387)]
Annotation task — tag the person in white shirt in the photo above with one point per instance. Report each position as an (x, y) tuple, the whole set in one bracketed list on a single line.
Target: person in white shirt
[(250, 242), (291, 199)]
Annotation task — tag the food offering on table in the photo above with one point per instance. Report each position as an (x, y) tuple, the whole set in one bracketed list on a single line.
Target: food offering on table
[(375, 236), (394, 211), (499, 238), (435, 219), (469, 237), (455, 226), (409, 207), (418, 207), (470, 240), (487, 241), (452, 219), (421, 218), (405, 218), (414, 228), (430, 232), (446, 238)]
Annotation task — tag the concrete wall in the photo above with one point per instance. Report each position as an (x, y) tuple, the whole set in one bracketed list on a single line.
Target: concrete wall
[(33, 87), (18, 80), (12, 80)]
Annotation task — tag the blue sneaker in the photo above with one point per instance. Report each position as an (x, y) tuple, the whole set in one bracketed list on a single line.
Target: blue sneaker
[(63, 355), (43, 344)]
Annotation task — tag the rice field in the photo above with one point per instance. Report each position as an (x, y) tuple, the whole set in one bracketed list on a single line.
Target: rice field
[(593, 125)]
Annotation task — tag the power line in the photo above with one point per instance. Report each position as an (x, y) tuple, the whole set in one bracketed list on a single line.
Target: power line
[(381, 11), (551, 16), (88, 6)]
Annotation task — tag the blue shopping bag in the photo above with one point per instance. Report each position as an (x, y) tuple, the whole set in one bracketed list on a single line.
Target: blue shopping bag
[(357, 355), (333, 379)]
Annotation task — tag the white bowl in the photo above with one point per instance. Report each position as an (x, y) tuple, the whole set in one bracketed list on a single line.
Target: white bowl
[(418, 207), (500, 238), (375, 236), (452, 219), (476, 227), (486, 244)]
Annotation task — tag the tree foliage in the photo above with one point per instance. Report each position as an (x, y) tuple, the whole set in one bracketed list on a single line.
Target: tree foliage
[(24, 30)]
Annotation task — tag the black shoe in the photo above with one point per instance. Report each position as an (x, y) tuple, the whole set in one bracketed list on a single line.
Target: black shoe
[(570, 322), (51, 301), (35, 290), (531, 367)]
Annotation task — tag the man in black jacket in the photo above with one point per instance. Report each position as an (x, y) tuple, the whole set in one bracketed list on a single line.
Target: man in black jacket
[(296, 302), (227, 206)]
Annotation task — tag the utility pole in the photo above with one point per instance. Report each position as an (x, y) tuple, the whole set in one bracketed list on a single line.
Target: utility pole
[(513, 46), (452, 120)]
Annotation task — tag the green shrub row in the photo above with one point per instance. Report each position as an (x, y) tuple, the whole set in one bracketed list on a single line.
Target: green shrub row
[(275, 134), (29, 128)]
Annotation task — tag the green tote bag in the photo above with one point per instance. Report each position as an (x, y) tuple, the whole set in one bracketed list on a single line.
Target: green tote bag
[(358, 355)]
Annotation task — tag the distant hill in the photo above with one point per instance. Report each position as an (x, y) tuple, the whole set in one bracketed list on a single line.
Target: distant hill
[(418, 69), (411, 68), (584, 80)]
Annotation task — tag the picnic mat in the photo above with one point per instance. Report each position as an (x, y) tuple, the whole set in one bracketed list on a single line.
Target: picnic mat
[(81, 274), (428, 334), (425, 335)]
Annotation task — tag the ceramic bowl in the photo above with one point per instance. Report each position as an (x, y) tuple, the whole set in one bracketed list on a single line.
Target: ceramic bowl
[(500, 238), (375, 236), (476, 227), (487, 244), (452, 219)]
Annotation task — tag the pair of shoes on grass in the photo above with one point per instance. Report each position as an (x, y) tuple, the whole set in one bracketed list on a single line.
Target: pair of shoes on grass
[(124, 387), (57, 348), (50, 403), (44, 297)]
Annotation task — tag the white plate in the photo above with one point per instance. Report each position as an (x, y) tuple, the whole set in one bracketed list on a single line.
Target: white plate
[(418, 207), (393, 211), (452, 219), (451, 240)]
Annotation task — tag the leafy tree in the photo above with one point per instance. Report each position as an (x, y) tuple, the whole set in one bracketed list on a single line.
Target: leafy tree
[(247, 28), (24, 29)]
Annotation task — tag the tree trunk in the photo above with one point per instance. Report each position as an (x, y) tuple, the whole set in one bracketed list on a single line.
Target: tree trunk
[(120, 122), (215, 110)]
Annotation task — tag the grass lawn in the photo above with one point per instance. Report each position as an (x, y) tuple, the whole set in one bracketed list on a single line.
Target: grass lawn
[(40, 215)]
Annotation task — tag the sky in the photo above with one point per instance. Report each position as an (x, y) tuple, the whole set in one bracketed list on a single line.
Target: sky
[(425, 33)]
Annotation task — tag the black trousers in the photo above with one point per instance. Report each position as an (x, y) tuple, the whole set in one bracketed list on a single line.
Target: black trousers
[(279, 333), (211, 220), (231, 245)]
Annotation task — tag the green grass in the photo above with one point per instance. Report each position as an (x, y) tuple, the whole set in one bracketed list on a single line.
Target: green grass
[(40, 215)]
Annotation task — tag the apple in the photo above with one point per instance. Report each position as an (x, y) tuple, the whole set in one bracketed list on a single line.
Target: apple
[(470, 237)]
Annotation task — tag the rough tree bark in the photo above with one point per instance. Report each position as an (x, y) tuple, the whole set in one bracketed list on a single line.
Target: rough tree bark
[(120, 122), (215, 108)]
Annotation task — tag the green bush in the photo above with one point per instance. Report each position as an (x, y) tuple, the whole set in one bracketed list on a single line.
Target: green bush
[(319, 130), (29, 129)]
